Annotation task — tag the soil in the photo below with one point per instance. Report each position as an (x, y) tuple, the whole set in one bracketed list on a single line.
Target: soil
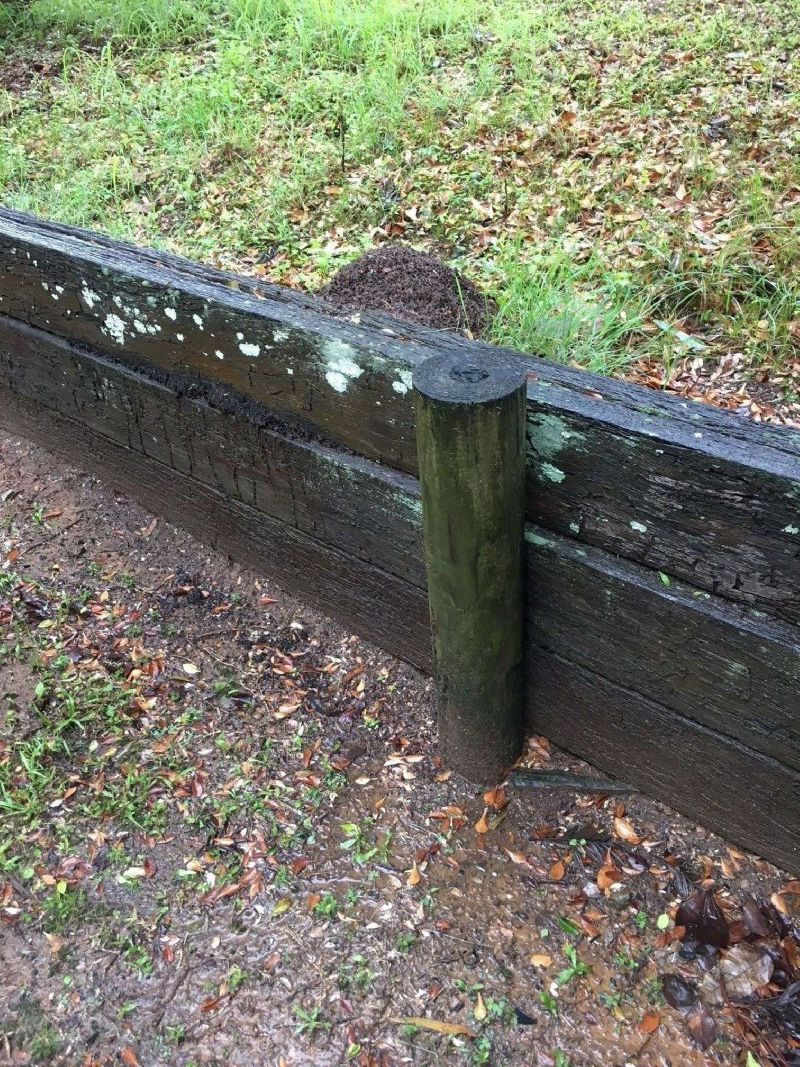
[(252, 853), (414, 286)]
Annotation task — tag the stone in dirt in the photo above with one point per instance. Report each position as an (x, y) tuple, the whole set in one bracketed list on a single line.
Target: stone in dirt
[(414, 286)]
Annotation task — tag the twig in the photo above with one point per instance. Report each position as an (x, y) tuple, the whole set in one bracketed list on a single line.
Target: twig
[(55, 534), (525, 778), (169, 996)]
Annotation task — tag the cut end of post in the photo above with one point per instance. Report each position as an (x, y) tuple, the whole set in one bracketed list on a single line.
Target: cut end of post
[(456, 378)]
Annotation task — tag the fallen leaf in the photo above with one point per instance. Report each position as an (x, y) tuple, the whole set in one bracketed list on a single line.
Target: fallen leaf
[(482, 825), (702, 1028), (703, 920), (129, 1057), (191, 668), (414, 877), (480, 1011), (456, 1029), (745, 968), (678, 993), (496, 798), (517, 857), (649, 1023), (624, 830), (541, 959), (557, 871)]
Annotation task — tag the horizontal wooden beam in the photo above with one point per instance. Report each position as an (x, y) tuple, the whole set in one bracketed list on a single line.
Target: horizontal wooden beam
[(345, 533), (723, 785), (699, 494)]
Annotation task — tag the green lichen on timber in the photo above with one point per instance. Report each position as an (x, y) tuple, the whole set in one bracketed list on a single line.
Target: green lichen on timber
[(549, 473), (537, 540), (549, 435)]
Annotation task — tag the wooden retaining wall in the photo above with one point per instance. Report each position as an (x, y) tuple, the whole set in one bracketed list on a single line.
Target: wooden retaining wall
[(663, 537)]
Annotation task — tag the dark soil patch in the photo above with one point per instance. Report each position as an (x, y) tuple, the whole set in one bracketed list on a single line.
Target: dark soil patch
[(18, 74), (244, 848), (413, 286)]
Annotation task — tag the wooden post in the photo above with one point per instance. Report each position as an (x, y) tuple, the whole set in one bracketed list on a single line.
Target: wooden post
[(470, 442)]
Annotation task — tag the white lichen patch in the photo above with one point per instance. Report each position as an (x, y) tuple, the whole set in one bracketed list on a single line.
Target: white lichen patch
[(639, 527), (403, 384), (171, 313), (551, 473), (218, 354), (342, 368), (115, 328), (791, 529), (279, 336), (289, 370), (45, 286), (197, 321), (574, 527), (537, 539), (179, 336), (249, 350), (139, 326), (549, 435)]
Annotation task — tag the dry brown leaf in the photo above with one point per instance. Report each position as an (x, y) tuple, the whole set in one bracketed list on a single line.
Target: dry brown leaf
[(129, 1057), (414, 877), (456, 1029), (649, 1023), (557, 871), (541, 959), (480, 1011), (496, 798), (624, 830), (482, 825), (608, 875), (517, 857)]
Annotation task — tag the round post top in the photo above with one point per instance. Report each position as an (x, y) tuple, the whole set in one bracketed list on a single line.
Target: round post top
[(463, 378)]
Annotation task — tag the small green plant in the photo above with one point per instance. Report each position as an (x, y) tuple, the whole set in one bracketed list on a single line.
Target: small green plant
[(640, 920), (625, 961), (357, 841), (481, 1052), (46, 1044), (176, 1034), (327, 907), (576, 968), (549, 1003), (61, 907), (236, 979), (561, 1059), (654, 991), (309, 1022), (569, 927), (405, 941), (358, 976)]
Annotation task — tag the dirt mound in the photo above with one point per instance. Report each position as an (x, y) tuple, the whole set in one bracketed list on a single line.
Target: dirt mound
[(414, 286)]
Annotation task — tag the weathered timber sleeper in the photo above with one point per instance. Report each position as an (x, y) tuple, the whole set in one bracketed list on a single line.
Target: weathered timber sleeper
[(662, 551)]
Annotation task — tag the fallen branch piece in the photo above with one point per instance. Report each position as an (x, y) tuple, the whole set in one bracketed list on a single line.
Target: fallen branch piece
[(577, 783)]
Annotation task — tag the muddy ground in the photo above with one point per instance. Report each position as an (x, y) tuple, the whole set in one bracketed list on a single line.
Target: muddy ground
[(226, 838)]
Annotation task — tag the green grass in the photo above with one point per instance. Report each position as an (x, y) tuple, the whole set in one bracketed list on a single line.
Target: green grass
[(564, 153)]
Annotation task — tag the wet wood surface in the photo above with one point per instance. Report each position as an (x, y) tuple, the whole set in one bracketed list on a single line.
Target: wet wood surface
[(702, 495)]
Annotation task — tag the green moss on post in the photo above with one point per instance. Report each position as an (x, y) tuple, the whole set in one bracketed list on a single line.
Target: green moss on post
[(470, 442)]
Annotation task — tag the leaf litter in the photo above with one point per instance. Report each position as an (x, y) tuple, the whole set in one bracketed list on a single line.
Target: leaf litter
[(174, 886)]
